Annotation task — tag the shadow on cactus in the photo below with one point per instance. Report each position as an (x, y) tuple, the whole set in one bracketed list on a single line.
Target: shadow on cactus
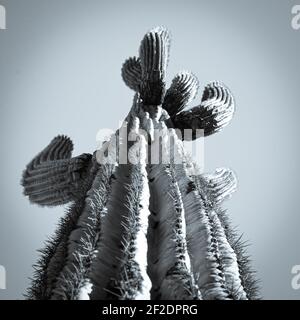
[(144, 230)]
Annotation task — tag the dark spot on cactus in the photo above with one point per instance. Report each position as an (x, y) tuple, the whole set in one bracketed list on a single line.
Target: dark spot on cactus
[(180, 250), (131, 249), (155, 225), (191, 187)]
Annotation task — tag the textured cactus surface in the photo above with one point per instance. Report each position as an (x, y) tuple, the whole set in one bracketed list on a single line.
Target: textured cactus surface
[(143, 230)]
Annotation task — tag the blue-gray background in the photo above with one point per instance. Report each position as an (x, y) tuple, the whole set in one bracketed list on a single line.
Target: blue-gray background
[(60, 66)]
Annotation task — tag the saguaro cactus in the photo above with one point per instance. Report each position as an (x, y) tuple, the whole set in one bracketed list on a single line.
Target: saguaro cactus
[(143, 229)]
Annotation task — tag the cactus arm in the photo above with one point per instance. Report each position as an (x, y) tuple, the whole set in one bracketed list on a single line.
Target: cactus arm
[(53, 177), (60, 147), (154, 54), (213, 114), (131, 73), (212, 191), (182, 91), (218, 187)]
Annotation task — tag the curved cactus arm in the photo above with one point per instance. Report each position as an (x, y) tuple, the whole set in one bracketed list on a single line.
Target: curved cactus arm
[(218, 186), (214, 113), (132, 73), (60, 147), (53, 178), (182, 91), (154, 54)]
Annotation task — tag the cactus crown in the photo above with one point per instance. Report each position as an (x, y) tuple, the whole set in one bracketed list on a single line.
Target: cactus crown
[(146, 75)]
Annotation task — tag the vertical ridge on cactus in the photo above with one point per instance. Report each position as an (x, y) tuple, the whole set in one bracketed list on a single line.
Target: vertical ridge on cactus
[(119, 270), (53, 256), (247, 273), (82, 242), (150, 227)]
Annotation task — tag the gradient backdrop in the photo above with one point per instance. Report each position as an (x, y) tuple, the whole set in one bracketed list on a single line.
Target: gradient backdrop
[(60, 66)]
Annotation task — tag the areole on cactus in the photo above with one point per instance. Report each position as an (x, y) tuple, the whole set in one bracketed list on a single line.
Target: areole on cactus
[(143, 230)]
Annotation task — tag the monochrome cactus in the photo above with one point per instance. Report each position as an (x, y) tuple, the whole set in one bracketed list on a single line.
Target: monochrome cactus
[(143, 229)]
